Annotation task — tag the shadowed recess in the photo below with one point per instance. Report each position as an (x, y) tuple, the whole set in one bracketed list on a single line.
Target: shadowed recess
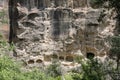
[(90, 55), (69, 58), (32, 16), (39, 61), (61, 58), (54, 56), (31, 62)]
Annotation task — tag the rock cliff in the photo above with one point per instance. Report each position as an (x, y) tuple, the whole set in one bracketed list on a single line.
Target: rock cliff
[(43, 30)]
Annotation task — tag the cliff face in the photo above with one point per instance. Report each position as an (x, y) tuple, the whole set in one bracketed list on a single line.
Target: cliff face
[(59, 29)]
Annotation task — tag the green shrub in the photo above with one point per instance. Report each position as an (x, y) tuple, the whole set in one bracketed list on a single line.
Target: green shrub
[(91, 70), (8, 69), (35, 75), (3, 16), (68, 76), (54, 69)]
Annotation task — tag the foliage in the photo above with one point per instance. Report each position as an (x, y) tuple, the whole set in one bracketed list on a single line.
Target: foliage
[(77, 76), (54, 69), (115, 49), (3, 43), (4, 46), (35, 75), (68, 76), (112, 4), (10, 70), (3, 16), (79, 59), (91, 70), (115, 4)]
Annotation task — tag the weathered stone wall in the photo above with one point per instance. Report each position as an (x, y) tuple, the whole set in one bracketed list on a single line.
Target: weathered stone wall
[(59, 29)]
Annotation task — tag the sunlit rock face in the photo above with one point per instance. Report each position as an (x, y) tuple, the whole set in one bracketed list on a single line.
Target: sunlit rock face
[(60, 29)]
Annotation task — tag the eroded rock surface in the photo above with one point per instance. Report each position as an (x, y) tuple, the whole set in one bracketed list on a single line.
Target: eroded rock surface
[(61, 29)]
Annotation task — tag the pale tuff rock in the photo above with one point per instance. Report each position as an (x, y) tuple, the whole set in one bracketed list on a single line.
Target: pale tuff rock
[(62, 30)]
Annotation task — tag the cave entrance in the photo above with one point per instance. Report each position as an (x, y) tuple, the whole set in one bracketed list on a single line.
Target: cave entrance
[(69, 58), (31, 62), (39, 61), (90, 55), (55, 56), (61, 58)]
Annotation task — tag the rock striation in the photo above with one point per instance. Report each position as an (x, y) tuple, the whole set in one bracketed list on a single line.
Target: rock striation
[(59, 29)]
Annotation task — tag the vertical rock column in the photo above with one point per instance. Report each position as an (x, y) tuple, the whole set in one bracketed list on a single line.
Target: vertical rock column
[(13, 16)]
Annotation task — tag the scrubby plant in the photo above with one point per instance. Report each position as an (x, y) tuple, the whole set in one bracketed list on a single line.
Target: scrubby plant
[(35, 75), (3, 16), (91, 70), (9, 70), (114, 54), (68, 76), (4, 46), (54, 70), (115, 49), (79, 59)]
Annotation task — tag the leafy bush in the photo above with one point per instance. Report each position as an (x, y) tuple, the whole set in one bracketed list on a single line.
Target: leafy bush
[(3, 16), (115, 49), (68, 76), (91, 70), (35, 75), (10, 70), (54, 69)]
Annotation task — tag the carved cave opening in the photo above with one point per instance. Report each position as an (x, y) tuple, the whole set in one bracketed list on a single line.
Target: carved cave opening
[(90, 55), (32, 16), (55, 56), (31, 62), (61, 58), (39, 61), (69, 58)]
